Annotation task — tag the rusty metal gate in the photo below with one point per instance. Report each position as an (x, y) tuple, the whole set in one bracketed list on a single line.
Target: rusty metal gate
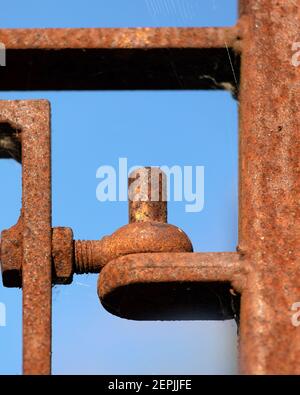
[(158, 272)]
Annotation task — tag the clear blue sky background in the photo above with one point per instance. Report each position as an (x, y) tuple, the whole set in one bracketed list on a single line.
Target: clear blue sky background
[(94, 129)]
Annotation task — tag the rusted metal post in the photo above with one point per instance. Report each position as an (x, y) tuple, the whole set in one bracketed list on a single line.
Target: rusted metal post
[(147, 195), (269, 226), (37, 280), (33, 250)]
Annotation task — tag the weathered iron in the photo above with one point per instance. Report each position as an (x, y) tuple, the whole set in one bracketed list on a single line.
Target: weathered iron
[(136, 58), (32, 118), (181, 286), (149, 260), (269, 226), (145, 233)]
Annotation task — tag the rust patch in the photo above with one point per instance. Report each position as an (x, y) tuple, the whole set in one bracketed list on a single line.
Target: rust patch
[(265, 268), (269, 226), (144, 234), (120, 38), (12, 255), (33, 119), (171, 286), (81, 59), (62, 255), (147, 195), (91, 256)]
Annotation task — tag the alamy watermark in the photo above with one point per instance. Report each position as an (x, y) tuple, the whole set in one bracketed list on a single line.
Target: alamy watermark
[(2, 314), (2, 54), (183, 184)]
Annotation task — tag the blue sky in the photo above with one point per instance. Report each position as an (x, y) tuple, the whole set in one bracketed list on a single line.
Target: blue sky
[(90, 129)]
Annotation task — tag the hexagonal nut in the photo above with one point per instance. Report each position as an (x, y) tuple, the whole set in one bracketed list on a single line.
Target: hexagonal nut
[(12, 256), (62, 255)]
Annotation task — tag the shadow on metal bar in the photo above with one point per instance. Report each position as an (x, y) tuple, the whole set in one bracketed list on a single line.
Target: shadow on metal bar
[(171, 301), (119, 69)]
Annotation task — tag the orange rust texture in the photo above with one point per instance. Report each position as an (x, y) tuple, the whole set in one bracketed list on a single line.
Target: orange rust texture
[(12, 255), (62, 255), (90, 256), (165, 267), (147, 195), (146, 232), (93, 255), (126, 38), (188, 286), (269, 226), (265, 269), (33, 119), (118, 59)]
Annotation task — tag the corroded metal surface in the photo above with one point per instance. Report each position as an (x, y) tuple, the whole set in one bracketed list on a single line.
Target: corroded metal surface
[(36, 269), (198, 266), (32, 118), (93, 255), (62, 255), (149, 279), (90, 256), (269, 228), (12, 255), (135, 58), (171, 286), (145, 233), (147, 195), (147, 268), (120, 38)]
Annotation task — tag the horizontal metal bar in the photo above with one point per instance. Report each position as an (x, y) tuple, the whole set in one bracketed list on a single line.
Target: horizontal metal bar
[(120, 38), (118, 59), (171, 285)]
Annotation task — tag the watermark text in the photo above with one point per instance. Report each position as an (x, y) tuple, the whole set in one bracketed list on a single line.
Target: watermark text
[(183, 184)]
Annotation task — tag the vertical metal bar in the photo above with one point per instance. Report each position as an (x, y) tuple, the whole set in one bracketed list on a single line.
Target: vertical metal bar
[(147, 192), (269, 228), (36, 151)]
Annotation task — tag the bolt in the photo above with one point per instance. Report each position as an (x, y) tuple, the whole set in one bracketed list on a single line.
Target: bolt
[(62, 255), (147, 231), (11, 253), (88, 256), (147, 195), (147, 203)]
